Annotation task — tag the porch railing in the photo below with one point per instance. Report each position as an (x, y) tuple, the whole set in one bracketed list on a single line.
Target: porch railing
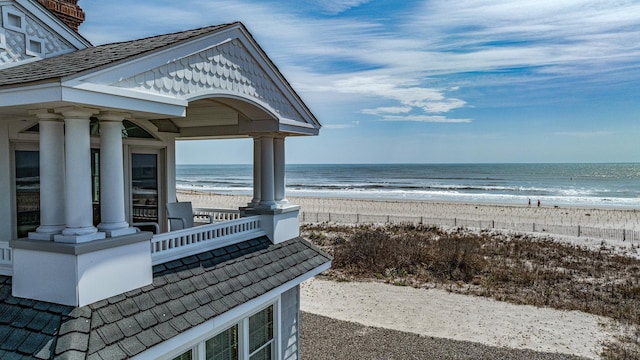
[(177, 244), (6, 262), (217, 215), (173, 245)]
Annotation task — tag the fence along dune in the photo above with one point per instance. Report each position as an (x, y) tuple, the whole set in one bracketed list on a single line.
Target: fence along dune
[(597, 223)]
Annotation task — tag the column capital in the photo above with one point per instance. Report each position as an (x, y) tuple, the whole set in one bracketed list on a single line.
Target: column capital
[(76, 112), (113, 116), (266, 134), (45, 115)]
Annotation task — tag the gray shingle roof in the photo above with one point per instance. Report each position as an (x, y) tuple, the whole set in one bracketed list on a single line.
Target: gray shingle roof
[(185, 293), (57, 67)]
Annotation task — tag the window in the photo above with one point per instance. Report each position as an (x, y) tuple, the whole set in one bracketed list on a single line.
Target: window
[(223, 346), (261, 335), (27, 191), (34, 47), (144, 189), (232, 344), (188, 355), (13, 20)]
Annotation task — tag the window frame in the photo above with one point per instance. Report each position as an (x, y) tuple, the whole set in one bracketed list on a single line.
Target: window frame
[(6, 13), (198, 347)]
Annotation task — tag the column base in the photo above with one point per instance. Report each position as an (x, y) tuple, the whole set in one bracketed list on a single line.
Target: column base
[(253, 203), (283, 203), (34, 235), (76, 239), (120, 232), (116, 229), (46, 232), (270, 205)]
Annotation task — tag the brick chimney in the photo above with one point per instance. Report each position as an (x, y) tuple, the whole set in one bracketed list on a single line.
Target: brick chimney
[(66, 10)]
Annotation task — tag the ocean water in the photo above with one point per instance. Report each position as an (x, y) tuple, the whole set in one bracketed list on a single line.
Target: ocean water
[(601, 185)]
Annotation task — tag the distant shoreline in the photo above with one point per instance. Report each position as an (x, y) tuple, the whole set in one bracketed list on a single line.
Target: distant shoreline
[(301, 198), (597, 217), (606, 185)]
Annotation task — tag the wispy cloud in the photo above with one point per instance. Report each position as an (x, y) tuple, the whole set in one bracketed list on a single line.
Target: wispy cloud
[(342, 126), (416, 55), (338, 6), (424, 118), (583, 133), (387, 110)]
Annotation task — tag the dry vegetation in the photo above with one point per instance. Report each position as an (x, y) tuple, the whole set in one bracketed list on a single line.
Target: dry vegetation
[(515, 268)]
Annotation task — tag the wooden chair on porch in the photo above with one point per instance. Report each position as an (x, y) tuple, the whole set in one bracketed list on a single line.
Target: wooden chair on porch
[(180, 215)]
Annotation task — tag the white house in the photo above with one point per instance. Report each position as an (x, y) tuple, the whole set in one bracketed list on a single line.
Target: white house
[(88, 266)]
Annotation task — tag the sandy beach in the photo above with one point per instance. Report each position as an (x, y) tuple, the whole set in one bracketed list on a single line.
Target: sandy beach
[(567, 219), (441, 314), (545, 214)]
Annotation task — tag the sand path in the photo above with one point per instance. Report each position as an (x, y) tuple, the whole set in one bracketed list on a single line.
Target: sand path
[(438, 313)]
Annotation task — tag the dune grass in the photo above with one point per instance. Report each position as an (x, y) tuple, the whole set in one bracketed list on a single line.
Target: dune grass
[(516, 268)]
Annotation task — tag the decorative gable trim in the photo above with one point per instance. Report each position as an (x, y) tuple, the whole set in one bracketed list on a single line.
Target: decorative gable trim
[(226, 69), (57, 26), (24, 37), (13, 20), (34, 47), (225, 63)]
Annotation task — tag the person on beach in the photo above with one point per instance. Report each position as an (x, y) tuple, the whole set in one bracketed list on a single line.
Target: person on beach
[(538, 202), (529, 202)]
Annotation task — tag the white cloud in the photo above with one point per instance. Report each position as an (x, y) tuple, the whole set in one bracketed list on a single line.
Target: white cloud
[(387, 110), (406, 49), (342, 126), (583, 133), (425, 118), (338, 6)]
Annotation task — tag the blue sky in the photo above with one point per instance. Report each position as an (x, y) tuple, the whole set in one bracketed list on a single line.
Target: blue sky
[(428, 81)]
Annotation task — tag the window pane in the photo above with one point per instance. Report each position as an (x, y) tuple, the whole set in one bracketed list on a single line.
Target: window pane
[(260, 329), (144, 187), (223, 346), (95, 185), (186, 356), (262, 354), (27, 191)]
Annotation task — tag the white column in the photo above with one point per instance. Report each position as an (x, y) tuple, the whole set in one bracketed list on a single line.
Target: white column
[(279, 170), (78, 206), (266, 173), (112, 214), (256, 173), (52, 179), (7, 207)]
